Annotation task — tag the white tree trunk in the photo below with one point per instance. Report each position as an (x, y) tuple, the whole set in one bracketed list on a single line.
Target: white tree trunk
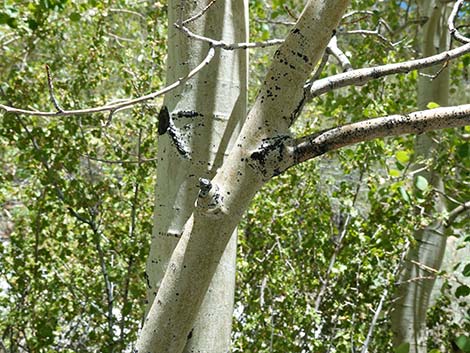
[(206, 116), (222, 201), (416, 284)]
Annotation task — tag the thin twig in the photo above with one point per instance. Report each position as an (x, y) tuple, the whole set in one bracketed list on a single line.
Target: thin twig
[(365, 32), (199, 14), (433, 77), (51, 90), (128, 12), (114, 107), (380, 305), (228, 46), (121, 161), (457, 212)]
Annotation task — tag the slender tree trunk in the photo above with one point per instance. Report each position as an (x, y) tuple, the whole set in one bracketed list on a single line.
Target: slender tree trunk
[(416, 284), (206, 115)]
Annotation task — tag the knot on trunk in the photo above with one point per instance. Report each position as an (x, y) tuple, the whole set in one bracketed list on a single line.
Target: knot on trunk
[(210, 200)]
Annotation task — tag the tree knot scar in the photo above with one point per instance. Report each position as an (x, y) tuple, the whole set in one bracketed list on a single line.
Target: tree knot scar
[(163, 120), (210, 199), (205, 186), (271, 156), (166, 125)]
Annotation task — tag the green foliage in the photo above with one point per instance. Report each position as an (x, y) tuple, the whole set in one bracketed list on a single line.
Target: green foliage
[(403, 348), (74, 260)]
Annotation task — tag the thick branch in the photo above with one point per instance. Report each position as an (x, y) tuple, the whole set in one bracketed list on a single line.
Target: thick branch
[(311, 146), (361, 76)]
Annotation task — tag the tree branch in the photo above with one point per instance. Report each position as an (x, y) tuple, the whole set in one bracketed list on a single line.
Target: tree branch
[(113, 107), (314, 145), (457, 212), (334, 50), (451, 23), (361, 76)]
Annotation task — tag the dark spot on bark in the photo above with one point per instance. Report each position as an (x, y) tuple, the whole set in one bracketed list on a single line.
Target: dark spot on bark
[(147, 279), (269, 148), (190, 334), (296, 30), (188, 114), (163, 120)]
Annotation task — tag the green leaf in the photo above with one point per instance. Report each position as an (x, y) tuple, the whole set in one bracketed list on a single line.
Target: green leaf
[(3, 18), (404, 194), (466, 270), (434, 351), (432, 105), (394, 172), (403, 348), (462, 291), (402, 156), (463, 342), (421, 183), (75, 16)]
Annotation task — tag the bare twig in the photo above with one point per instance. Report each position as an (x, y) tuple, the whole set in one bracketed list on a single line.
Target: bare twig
[(51, 90), (377, 312), (457, 212), (114, 107), (199, 14), (275, 22), (128, 12), (321, 66), (121, 161), (119, 38), (290, 13), (228, 46), (365, 32), (433, 77), (9, 41)]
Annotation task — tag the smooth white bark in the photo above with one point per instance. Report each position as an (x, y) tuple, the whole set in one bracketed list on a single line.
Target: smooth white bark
[(219, 207), (206, 115)]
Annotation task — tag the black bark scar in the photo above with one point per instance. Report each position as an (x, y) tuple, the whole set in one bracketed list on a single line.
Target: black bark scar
[(165, 124), (163, 120)]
